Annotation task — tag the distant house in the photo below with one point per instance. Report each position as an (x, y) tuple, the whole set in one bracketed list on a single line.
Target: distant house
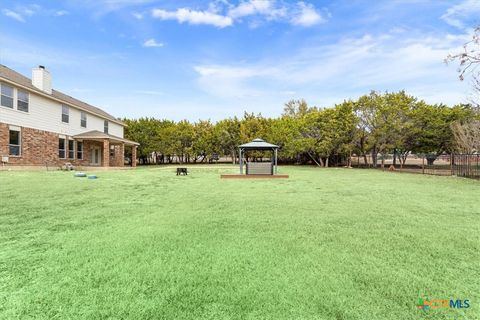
[(42, 126)]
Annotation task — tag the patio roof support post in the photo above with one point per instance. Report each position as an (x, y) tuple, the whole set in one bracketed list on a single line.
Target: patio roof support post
[(240, 155), (106, 153), (121, 161), (134, 156)]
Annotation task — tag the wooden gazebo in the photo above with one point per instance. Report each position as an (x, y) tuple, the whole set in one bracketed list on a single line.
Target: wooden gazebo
[(268, 168), (254, 169)]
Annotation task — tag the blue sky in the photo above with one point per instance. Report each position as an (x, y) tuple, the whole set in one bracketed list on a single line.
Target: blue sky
[(215, 59)]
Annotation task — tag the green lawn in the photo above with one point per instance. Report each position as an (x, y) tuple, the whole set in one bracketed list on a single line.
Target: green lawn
[(324, 244)]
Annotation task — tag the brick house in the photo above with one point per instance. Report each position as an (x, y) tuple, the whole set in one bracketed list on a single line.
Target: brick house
[(40, 126)]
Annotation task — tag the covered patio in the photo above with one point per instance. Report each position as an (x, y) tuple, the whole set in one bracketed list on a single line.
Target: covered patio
[(105, 150)]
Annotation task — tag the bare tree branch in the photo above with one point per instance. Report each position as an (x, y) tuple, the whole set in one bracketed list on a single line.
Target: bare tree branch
[(469, 58), (466, 136)]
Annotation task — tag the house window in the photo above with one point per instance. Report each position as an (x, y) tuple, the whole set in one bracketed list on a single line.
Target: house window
[(61, 148), (112, 151), (14, 143), (79, 150), (22, 101), (65, 112), (71, 149), (83, 119), (105, 126), (7, 96)]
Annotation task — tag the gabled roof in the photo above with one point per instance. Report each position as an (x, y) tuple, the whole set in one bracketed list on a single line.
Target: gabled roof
[(259, 144), (19, 79), (95, 134)]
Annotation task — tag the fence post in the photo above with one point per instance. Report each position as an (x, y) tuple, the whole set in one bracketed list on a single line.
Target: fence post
[(423, 164), (451, 163), (477, 168)]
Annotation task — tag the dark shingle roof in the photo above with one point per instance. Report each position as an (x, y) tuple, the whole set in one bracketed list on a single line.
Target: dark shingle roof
[(95, 134), (20, 79)]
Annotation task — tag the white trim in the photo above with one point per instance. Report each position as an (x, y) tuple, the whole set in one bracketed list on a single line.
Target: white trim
[(74, 149), (46, 95), (15, 110), (18, 99), (92, 156), (65, 146), (67, 108), (19, 130), (13, 96), (86, 119)]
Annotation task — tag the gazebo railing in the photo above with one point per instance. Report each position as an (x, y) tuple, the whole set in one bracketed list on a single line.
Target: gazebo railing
[(259, 168)]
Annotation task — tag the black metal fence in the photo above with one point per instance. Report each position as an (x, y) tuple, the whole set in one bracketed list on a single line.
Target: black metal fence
[(461, 165), (466, 165), (437, 166)]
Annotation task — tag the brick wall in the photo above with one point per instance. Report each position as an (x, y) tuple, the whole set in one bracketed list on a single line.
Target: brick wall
[(37, 147), (118, 159), (3, 139), (40, 148)]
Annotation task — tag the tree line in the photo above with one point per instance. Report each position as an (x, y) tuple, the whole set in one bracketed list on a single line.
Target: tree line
[(370, 127)]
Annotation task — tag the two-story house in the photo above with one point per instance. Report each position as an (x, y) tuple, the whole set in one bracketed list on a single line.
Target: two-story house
[(40, 126)]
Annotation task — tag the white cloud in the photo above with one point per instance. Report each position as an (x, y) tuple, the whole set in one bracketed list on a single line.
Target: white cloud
[(329, 73), (458, 14), (13, 15), (149, 92), (193, 17), (152, 43), (61, 13), (250, 8), (100, 8), (307, 15), (137, 15), (229, 72), (232, 81), (268, 9), (223, 14), (25, 54), (20, 13)]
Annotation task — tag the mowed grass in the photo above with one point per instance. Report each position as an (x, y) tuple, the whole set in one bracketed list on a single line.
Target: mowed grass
[(324, 244)]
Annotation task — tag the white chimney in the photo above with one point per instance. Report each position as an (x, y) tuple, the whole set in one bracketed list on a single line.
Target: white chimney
[(42, 79)]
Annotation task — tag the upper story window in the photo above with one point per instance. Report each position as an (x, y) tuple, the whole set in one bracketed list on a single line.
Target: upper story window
[(7, 96), (83, 119), (65, 114), (22, 101), (105, 126), (14, 143)]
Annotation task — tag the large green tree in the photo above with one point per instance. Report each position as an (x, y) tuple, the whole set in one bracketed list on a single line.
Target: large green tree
[(226, 137), (376, 123)]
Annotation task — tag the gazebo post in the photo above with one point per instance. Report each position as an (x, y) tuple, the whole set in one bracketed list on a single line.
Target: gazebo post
[(241, 160), (257, 169), (275, 161), (259, 144)]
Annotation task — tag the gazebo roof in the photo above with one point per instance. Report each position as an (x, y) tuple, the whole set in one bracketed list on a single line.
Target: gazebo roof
[(258, 144)]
